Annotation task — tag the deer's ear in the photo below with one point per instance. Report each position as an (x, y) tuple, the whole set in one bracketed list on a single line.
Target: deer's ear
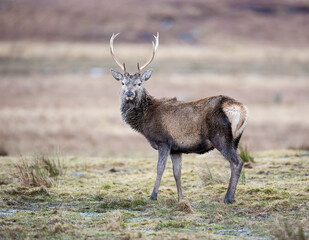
[(117, 75), (146, 75)]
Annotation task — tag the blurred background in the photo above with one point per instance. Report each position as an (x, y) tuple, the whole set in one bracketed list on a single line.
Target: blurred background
[(57, 94)]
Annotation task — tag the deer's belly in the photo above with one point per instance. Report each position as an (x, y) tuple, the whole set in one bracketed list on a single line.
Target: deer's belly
[(200, 147), (184, 130), (190, 140)]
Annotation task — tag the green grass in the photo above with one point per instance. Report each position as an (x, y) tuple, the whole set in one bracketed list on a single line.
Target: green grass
[(100, 204), (245, 155), (212, 176), (242, 178)]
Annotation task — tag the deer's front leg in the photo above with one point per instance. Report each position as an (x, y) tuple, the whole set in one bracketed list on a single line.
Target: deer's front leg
[(162, 158)]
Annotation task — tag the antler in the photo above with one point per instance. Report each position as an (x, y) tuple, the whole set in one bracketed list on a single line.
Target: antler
[(155, 47), (111, 45)]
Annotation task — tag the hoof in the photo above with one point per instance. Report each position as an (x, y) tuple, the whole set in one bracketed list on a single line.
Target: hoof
[(152, 198), (228, 201)]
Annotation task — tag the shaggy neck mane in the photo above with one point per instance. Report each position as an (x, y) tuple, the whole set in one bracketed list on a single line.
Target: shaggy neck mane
[(133, 112)]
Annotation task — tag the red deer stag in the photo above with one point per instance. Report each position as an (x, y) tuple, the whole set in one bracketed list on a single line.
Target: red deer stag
[(175, 127)]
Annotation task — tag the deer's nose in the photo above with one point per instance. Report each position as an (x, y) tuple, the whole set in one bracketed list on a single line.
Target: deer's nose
[(129, 94)]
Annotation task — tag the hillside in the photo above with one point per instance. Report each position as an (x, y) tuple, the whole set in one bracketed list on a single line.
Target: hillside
[(193, 22)]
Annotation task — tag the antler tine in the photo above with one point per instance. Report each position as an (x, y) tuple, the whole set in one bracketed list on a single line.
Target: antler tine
[(111, 45), (154, 49), (138, 69)]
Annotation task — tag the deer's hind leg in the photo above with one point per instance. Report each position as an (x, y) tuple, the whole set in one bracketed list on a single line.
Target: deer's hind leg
[(236, 164), (177, 162), (226, 146)]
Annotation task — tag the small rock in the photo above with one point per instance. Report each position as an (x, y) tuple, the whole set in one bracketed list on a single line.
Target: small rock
[(248, 165), (77, 174), (113, 170)]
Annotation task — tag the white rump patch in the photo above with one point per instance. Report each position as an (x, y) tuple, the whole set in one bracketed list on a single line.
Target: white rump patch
[(237, 114)]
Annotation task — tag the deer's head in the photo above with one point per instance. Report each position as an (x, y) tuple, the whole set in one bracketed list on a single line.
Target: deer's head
[(132, 83)]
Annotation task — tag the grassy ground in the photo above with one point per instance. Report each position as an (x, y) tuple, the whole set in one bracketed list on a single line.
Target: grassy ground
[(106, 198)]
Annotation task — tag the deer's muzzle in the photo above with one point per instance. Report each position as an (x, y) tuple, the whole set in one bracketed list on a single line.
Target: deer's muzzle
[(129, 95)]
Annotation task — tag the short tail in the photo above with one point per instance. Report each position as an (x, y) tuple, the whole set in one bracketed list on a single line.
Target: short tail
[(237, 114)]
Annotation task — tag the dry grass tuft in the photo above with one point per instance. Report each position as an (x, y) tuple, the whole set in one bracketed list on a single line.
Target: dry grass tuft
[(57, 228), (115, 221), (169, 202), (283, 230), (127, 236), (32, 175), (211, 176), (28, 192), (185, 206), (4, 179), (53, 166), (42, 171), (38, 191), (218, 216), (11, 232)]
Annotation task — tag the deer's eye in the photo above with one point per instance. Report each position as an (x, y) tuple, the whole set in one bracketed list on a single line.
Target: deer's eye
[(139, 84), (122, 83)]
